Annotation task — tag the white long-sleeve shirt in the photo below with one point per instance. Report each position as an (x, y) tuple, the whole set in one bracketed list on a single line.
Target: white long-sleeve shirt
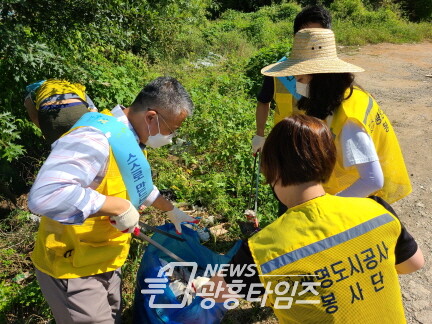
[(359, 151), (64, 189)]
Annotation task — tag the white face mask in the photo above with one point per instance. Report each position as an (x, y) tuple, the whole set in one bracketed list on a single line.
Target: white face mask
[(302, 89), (158, 140)]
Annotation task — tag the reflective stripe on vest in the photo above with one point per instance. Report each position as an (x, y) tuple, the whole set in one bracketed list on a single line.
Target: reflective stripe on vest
[(325, 244), (343, 248), (53, 87), (362, 108)]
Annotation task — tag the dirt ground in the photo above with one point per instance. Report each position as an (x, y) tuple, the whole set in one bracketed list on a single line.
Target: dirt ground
[(400, 79)]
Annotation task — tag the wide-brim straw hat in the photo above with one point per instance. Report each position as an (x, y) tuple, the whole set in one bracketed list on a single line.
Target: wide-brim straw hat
[(313, 51)]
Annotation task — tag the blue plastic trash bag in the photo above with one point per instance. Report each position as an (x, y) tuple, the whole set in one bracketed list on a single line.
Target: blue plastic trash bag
[(191, 251)]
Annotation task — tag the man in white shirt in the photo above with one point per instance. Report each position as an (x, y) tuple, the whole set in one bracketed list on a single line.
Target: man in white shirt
[(78, 253)]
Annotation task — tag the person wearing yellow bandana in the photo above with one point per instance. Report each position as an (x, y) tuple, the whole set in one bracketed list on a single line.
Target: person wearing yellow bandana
[(328, 259), (369, 159), (88, 191), (54, 105)]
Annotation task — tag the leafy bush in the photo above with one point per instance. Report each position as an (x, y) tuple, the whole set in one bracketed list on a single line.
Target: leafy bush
[(355, 12), (262, 58), (240, 5), (214, 164), (19, 301), (9, 150), (419, 10), (283, 12)]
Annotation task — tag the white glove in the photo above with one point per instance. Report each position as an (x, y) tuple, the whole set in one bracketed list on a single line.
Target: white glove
[(126, 221), (257, 143), (198, 283), (177, 216)]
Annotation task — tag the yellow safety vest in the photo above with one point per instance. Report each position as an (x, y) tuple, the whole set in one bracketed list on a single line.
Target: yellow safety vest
[(53, 87), (345, 247), (73, 251), (364, 110), (285, 102)]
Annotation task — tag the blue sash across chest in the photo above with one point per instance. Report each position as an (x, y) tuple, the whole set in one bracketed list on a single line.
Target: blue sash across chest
[(132, 163)]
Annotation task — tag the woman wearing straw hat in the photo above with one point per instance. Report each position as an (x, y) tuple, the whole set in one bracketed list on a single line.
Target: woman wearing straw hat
[(369, 161), (281, 90)]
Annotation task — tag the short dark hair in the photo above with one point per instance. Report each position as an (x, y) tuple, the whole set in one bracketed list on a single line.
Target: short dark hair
[(312, 14), (299, 149), (164, 94), (326, 93)]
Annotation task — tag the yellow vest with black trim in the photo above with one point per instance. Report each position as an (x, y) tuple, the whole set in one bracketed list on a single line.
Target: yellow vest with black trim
[(331, 260), (363, 109), (285, 102), (73, 251), (53, 87)]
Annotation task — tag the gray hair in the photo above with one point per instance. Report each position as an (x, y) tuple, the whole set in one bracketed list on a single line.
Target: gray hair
[(164, 94)]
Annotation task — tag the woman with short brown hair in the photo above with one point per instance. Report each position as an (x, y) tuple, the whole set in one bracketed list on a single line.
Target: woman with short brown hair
[(328, 259), (299, 134)]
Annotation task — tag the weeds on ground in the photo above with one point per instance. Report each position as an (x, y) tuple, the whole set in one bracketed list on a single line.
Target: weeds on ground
[(21, 300)]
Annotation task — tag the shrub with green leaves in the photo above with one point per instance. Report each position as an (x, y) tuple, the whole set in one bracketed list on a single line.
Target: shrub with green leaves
[(356, 13), (9, 149), (262, 58), (283, 12)]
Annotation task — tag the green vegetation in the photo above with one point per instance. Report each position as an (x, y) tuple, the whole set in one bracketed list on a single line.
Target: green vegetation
[(215, 48)]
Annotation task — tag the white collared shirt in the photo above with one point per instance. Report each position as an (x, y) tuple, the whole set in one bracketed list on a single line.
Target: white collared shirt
[(64, 189)]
